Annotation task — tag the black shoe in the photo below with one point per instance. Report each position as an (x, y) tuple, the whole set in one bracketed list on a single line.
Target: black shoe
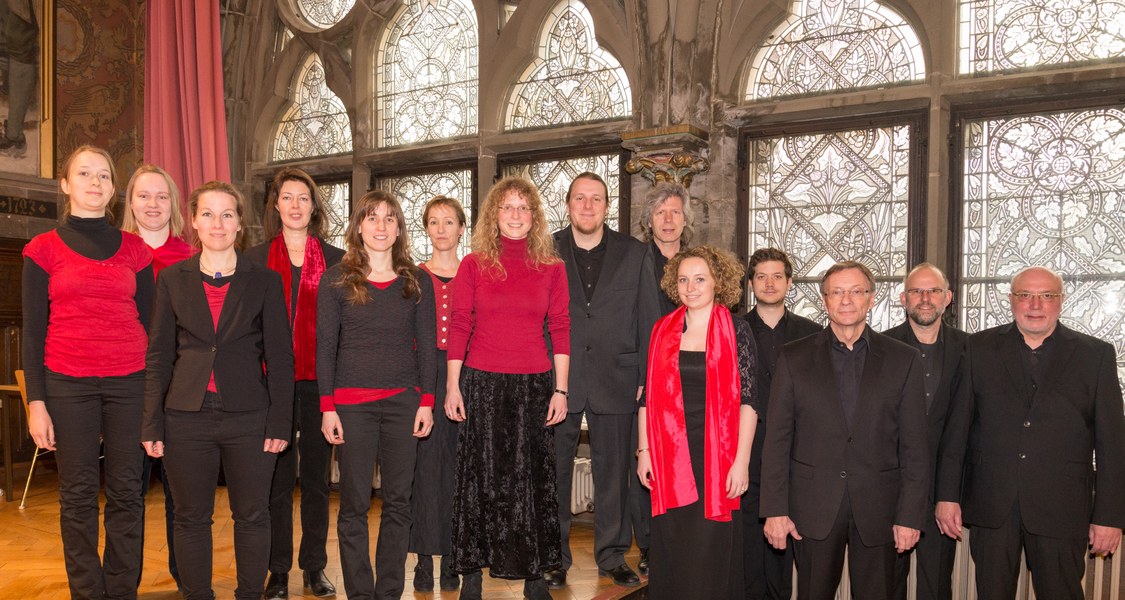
[(536, 589), (277, 586), (424, 574), (642, 565), (621, 575), (470, 586), (318, 584), (449, 579), (555, 578)]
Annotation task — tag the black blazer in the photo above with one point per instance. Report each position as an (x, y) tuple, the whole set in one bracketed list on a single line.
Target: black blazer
[(609, 337), (811, 459), (1006, 441), (953, 351), (184, 347)]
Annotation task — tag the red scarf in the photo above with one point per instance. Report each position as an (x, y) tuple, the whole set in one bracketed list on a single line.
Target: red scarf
[(303, 315), (673, 482)]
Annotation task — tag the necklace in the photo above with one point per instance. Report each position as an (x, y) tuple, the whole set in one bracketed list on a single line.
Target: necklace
[(219, 273)]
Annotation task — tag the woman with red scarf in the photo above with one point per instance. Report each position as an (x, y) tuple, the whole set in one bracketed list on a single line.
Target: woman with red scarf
[(294, 223), (697, 422)]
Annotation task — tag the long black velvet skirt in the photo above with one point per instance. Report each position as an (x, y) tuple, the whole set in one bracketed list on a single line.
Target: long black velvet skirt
[(505, 511), (435, 474)]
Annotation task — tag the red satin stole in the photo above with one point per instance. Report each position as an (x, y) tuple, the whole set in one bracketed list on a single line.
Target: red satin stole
[(303, 315), (673, 482)]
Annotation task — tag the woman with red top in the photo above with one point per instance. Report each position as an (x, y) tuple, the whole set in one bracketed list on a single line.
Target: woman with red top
[(436, 469), (295, 225), (697, 422), (154, 214), (85, 376), (375, 366), (219, 390), (502, 387)]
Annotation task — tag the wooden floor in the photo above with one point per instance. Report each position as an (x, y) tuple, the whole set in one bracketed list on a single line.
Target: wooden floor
[(31, 557)]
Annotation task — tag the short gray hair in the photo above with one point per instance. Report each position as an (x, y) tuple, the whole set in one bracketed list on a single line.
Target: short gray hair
[(660, 193)]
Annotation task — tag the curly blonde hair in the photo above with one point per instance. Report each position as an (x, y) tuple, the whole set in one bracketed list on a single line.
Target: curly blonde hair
[(486, 232), (725, 269)]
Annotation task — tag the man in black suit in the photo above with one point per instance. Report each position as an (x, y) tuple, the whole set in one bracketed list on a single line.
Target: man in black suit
[(925, 297), (613, 305), (769, 571), (1036, 400), (844, 463)]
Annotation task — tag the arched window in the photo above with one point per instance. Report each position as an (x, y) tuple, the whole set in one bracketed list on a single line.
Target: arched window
[(1012, 35), (427, 73), (316, 123), (323, 14), (1046, 189), (572, 79), (836, 45), (415, 190), (336, 200)]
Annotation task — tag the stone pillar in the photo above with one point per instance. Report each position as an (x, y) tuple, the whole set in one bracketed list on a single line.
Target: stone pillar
[(676, 153)]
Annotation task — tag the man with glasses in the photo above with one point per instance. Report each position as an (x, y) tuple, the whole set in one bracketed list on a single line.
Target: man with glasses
[(925, 297), (845, 461), (1035, 402)]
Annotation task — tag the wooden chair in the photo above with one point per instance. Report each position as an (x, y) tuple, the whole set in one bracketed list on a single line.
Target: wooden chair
[(38, 451)]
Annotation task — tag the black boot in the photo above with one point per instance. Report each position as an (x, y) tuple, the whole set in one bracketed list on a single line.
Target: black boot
[(277, 586), (536, 589), (642, 566), (449, 580), (424, 574), (470, 586)]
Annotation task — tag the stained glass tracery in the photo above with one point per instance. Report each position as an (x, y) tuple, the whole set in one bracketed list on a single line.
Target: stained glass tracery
[(1047, 189), (830, 45), (1009, 35), (336, 200), (414, 191), (553, 178), (323, 14), (316, 124), (828, 197), (427, 73), (571, 79)]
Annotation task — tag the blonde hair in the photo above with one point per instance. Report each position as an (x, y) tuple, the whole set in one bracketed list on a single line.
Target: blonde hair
[(176, 220), (486, 233), (221, 187), (66, 175)]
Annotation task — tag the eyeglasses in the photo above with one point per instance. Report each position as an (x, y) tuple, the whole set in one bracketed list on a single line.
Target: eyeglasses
[(1042, 296), (919, 292), (521, 209), (853, 294)]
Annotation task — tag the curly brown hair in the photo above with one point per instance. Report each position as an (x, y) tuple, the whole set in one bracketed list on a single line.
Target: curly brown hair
[(354, 267), (725, 268), (486, 232)]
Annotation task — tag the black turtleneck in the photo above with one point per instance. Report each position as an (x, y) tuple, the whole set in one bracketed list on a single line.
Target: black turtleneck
[(96, 239)]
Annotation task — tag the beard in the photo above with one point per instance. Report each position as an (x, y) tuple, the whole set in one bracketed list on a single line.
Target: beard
[(584, 230), (922, 318)]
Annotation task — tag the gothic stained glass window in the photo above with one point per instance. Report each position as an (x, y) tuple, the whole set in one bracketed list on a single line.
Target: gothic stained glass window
[(316, 123), (414, 191), (572, 79), (827, 197), (323, 14), (336, 200), (831, 45), (553, 177), (427, 73), (1008, 35), (1046, 189)]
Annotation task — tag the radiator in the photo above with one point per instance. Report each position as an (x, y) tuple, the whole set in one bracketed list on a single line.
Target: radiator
[(582, 487)]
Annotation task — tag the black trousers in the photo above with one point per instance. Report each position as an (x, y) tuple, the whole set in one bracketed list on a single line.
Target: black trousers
[(195, 444), (156, 464), (1056, 564), (820, 563), (768, 571), (380, 430), (936, 554), (314, 455), (640, 500), (610, 460), (88, 412)]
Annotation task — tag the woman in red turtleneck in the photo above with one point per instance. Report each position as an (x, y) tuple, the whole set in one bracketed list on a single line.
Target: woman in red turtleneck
[(502, 388)]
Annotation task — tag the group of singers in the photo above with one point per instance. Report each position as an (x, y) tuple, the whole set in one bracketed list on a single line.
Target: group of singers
[(727, 447)]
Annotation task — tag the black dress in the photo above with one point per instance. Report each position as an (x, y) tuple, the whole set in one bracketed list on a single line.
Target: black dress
[(689, 555)]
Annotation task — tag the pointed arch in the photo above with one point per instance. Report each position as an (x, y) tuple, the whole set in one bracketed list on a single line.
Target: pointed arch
[(315, 123)]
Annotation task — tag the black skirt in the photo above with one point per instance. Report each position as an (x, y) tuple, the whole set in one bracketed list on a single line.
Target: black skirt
[(505, 511), (435, 472)]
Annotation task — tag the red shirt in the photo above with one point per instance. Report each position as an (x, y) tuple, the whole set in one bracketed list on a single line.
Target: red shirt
[(173, 251), (216, 296), (443, 297)]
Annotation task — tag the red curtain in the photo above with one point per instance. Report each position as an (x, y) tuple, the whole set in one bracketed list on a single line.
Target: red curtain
[(185, 117)]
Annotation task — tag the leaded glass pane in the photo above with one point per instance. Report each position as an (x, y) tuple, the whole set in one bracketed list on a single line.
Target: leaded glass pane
[(1049, 190), (414, 191), (323, 14), (1008, 35), (835, 45), (335, 198), (553, 177), (572, 79), (827, 197), (427, 73), (316, 124)]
